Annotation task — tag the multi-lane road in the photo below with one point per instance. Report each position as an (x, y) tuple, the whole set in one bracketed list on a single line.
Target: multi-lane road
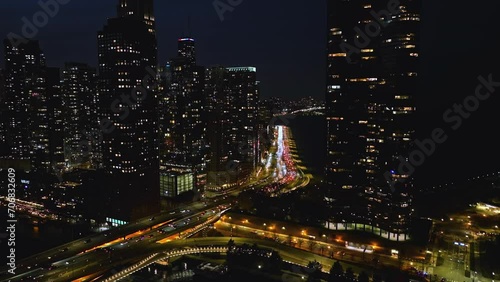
[(92, 256), (281, 165), (96, 254)]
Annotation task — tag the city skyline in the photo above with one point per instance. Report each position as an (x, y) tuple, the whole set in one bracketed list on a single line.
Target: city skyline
[(70, 37), (271, 26), (207, 28), (138, 148)]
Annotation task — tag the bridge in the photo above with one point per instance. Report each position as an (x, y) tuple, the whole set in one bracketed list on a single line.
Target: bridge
[(296, 257), (317, 110), (156, 257), (309, 110)]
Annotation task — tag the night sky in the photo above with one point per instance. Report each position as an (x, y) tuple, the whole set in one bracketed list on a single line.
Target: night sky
[(286, 41)]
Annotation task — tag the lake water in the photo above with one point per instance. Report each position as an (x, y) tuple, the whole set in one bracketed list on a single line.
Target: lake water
[(32, 239)]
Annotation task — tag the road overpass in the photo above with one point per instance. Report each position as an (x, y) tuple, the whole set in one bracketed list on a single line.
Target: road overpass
[(219, 245), (87, 256)]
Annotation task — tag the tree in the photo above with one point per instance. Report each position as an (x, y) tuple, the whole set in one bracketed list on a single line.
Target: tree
[(300, 241), (315, 265), (312, 244), (363, 277), (314, 270), (336, 271), (275, 262), (349, 274), (246, 200)]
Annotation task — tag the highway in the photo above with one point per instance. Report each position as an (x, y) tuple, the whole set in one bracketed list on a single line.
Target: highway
[(90, 257), (320, 246), (83, 257), (218, 244), (287, 176)]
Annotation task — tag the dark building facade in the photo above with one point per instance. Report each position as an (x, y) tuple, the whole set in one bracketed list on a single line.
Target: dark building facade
[(4, 149), (187, 49), (81, 116), (26, 118), (56, 120), (142, 10), (233, 96), (243, 97), (184, 129), (372, 67), (127, 51)]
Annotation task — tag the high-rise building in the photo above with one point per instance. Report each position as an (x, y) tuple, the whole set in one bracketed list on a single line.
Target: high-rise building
[(184, 144), (242, 98), (187, 49), (142, 10), (4, 149), (372, 70), (27, 119), (80, 111), (233, 97), (56, 120), (127, 51), (217, 124)]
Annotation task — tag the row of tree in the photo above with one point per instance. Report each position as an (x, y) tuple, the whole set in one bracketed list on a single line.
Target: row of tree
[(269, 261)]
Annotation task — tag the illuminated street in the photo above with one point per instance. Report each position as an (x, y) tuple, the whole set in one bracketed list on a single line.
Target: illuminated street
[(335, 141)]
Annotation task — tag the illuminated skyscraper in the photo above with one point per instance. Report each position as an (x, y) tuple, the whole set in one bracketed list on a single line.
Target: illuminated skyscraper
[(233, 97), (372, 70), (80, 111), (4, 149), (242, 98), (128, 104), (184, 145), (56, 119), (187, 49), (142, 10), (27, 119)]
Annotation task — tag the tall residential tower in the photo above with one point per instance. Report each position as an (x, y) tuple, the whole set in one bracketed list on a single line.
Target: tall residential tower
[(372, 67), (184, 145), (27, 116), (127, 51)]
